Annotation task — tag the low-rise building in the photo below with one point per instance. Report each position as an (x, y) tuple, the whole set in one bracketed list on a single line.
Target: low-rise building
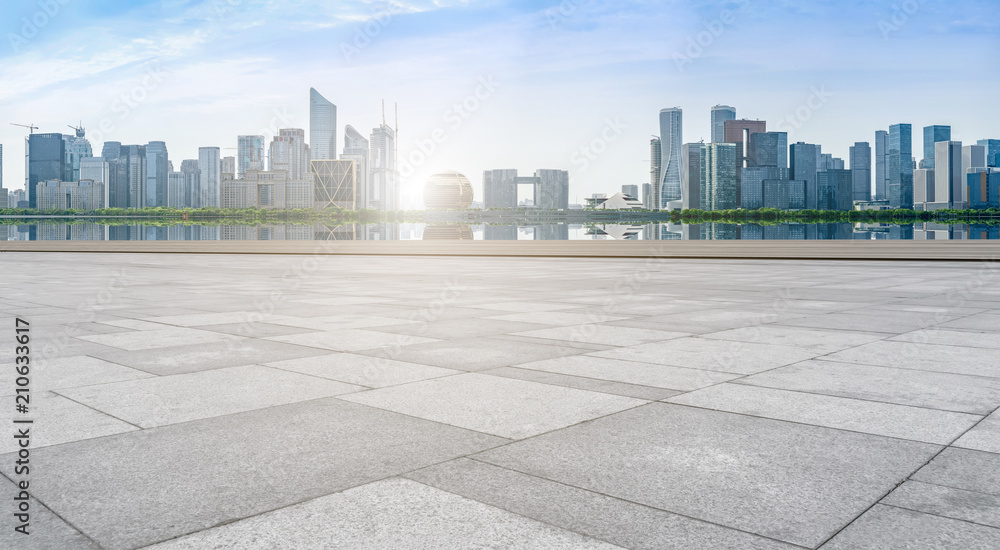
[(63, 195)]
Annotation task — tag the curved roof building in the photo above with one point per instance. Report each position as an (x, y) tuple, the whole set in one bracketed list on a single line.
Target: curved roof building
[(448, 190)]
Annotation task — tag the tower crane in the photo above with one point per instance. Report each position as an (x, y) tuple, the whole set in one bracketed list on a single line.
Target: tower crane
[(31, 127)]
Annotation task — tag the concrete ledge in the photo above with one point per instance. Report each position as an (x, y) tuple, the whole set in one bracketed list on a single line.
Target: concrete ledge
[(763, 250)]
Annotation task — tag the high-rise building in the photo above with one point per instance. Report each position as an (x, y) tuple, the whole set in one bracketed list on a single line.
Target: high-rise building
[(384, 176), (322, 127), (175, 190), (550, 188), (117, 187), (288, 152), (249, 154), (804, 158), (97, 170), (992, 151), (752, 183), (923, 189), (973, 156), (1, 165), (881, 165), (336, 183), (61, 195), (861, 170), (156, 173), (655, 173), (691, 175), (671, 127), (356, 148), (77, 146), (191, 194), (227, 166), (949, 179), (46, 161), (719, 182), (631, 190), (499, 189), (899, 165), (647, 195), (132, 174), (984, 189), (768, 149), (210, 164), (835, 189), (720, 114), (932, 135), (738, 131)]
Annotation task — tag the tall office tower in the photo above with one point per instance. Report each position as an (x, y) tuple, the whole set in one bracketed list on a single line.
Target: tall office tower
[(881, 165), (192, 194), (992, 151), (500, 189), (336, 183), (288, 152), (210, 164), (768, 149), (719, 183), (631, 190), (932, 135), (973, 156), (720, 114), (949, 179), (77, 146), (671, 125), (227, 166), (647, 195), (46, 161), (322, 127), (738, 131), (175, 190), (804, 158), (115, 188), (655, 173), (249, 154), (131, 175), (861, 170), (156, 173), (356, 149), (98, 170), (552, 189), (899, 166), (384, 192), (835, 189), (752, 183), (691, 175), (923, 189), (1, 165)]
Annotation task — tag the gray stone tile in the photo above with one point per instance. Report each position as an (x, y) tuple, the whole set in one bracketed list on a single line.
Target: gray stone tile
[(792, 482), (614, 520), (524, 307), (156, 338), (982, 322), (506, 407), (179, 398), (394, 513), (330, 323), (475, 353), (714, 355), (256, 330), (631, 372), (891, 528), (935, 390), (985, 436), (949, 502), (46, 530), (586, 346), (921, 356), (70, 372), (864, 323), (183, 359), (364, 370), (825, 341), (963, 469), (914, 423), (222, 318), (590, 384), (559, 318), (57, 420), (352, 340), (966, 338), (452, 329), (142, 487), (701, 322), (603, 334)]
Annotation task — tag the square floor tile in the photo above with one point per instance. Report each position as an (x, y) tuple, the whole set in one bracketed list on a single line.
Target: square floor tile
[(825, 341), (891, 528), (473, 354), (69, 372), (603, 334), (715, 355), (56, 420), (929, 357), (631, 372), (352, 340), (156, 338), (364, 370), (985, 436)]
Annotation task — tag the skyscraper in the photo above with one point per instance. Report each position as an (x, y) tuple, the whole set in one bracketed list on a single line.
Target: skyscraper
[(835, 189), (210, 164), (691, 175), (116, 187), (899, 165), (77, 146), (768, 149), (719, 183), (631, 190), (655, 173), (949, 180), (228, 166), (671, 125), (131, 176), (861, 170), (191, 194), (288, 152), (881, 165), (156, 174), (720, 114), (46, 161), (385, 194), (992, 151), (973, 156), (322, 127), (804, 158), (98, 170), (923, 188), (356, 148), (249, 154), (932, 135), (552, 189)]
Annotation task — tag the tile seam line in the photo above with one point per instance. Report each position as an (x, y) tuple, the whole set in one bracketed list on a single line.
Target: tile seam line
[(970, 522)]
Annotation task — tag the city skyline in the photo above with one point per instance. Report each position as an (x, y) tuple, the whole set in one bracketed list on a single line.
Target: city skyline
[(206, 82)]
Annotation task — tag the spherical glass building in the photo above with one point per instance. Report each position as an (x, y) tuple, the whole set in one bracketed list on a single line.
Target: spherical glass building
[(448, 190)]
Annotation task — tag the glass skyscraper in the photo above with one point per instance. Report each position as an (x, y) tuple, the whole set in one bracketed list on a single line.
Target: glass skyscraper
[(356, 148), (210, 164), (720, 114), (932, 135), (719, 182), (881, 165), (768, 149), (156, 174), (992, 151), (655, 172), (861, 171), (804, 158), (322, 127), (900, 166), (249, 154), (46, 161), (77, 147), (671, 125)]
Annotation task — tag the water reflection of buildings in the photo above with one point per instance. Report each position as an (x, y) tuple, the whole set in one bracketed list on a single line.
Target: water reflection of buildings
[(447, 232), (615, 231), (540, 232)]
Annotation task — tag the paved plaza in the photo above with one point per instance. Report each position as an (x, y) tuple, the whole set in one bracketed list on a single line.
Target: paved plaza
[(291, 402)]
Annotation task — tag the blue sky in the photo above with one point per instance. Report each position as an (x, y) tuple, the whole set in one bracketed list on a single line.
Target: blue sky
[(575, 84)]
